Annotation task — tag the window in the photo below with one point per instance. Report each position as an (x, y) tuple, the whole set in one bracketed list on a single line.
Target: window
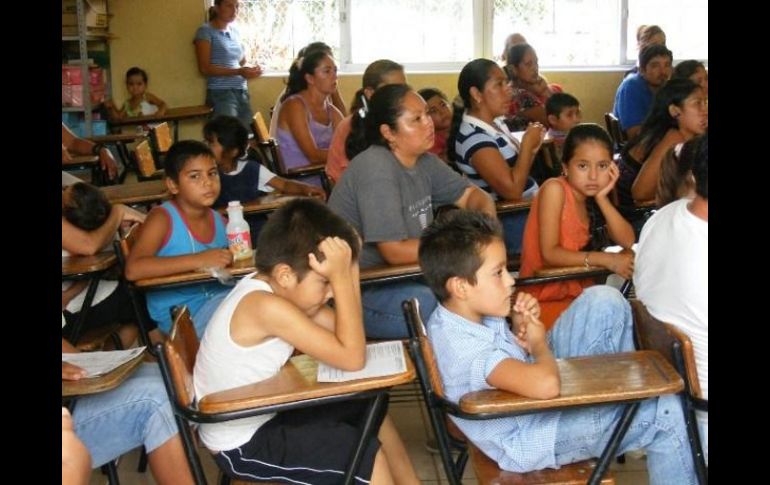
[(445, 34)]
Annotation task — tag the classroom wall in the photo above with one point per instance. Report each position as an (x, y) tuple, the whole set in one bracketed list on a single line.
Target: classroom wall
[(157, 36)]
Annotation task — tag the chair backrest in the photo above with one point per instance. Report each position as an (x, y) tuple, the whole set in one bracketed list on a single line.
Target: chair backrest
[(260, 128), (180, 349), (652, 334), (145, 161), (161, 135), (417, 330), (618, 136)]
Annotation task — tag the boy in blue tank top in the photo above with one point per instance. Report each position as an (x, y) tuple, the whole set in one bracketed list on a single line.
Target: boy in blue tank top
[(183, 234)]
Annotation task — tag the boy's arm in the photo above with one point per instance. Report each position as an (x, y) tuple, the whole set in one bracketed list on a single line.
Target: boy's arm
[(474, 198), (87, 243), (142, 261), (162, 107), (292, 187), (539, 380), (345, 347)]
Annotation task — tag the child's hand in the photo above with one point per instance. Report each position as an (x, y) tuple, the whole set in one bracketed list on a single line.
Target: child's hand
[(337, 258), (75, 460), (533, 137), (215, 258), (523, 307), (614, 173), (71, 372), (316, 192), (623, 264)]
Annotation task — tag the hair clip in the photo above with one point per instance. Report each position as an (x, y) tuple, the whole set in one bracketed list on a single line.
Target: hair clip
[(364, 109), (299, 62)]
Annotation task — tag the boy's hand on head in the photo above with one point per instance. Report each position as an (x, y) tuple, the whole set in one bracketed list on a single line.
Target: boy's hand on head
[(71, 372), (337, 258), (215, 258), (614, 173)]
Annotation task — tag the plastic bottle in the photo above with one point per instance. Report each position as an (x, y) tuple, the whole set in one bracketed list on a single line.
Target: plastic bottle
[(238, 234)]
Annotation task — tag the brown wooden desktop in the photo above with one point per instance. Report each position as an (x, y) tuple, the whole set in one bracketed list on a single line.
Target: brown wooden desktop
[(172, 114)]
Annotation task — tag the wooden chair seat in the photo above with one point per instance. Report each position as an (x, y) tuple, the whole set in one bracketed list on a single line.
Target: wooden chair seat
[(487, 472)]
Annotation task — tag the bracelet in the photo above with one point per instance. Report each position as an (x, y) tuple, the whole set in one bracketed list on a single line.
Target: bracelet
[(97, 148), (585, 260)]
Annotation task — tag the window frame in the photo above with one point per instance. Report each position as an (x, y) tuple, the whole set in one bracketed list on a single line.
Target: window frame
[(483, 16)]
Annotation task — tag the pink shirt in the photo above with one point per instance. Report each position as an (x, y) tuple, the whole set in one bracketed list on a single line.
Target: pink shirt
[(336, 159)]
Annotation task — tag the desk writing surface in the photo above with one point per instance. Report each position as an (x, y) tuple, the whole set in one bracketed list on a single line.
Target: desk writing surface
[(172, 114), (76, 265), (296, 381), (136, 193), (237, 268), (93, 385), (628, 376)]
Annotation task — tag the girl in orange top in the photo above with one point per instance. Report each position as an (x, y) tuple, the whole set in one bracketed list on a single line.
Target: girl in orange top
[(565, 213)]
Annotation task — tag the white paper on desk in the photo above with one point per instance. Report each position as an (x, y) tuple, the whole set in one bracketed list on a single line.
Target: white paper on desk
[(100, 363), (382, 359)]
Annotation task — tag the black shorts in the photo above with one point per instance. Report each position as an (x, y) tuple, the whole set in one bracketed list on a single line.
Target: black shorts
[(116, 308), (309, 445)]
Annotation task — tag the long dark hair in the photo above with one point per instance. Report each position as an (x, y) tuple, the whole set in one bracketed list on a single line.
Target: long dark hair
[(475, 74), (659, 121), (579, 134), (385, 107), (301, 66)]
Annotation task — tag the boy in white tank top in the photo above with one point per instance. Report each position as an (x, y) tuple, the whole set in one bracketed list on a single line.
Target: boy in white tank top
[(306, 256)]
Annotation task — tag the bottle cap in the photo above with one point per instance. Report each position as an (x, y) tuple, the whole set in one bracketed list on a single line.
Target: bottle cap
[(234, 203)]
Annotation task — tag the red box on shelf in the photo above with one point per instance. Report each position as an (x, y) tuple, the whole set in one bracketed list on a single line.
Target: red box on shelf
[(70, 74), (72, 94)]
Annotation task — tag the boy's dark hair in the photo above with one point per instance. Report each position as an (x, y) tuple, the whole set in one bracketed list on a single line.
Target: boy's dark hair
[(558, 102), (88, 207), (295, 230), (182, 151), (229, 131), (649, 52), (700, 166), (452, 246), (134, 71)]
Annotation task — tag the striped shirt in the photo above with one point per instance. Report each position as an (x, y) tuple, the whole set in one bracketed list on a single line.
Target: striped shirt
[(466, 353), (226, 51), (470, 139)]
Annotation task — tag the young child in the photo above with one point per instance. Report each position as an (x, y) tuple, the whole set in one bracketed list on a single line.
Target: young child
[(463, 258), (183, 234), (243, 179), (307, 256), (141, 102), (440, 112), (565, 223), (89, 223), (563, 112)]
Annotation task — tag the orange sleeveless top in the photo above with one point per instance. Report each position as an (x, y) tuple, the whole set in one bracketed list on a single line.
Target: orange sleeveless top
[(573, 235)]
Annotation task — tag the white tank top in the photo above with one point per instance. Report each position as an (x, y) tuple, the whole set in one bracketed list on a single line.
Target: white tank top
[(223, 364)]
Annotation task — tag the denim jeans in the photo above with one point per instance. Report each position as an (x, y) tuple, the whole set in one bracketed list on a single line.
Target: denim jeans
[(231, 102), (383, 316), (135, 413), (599, 321), (513, 230)]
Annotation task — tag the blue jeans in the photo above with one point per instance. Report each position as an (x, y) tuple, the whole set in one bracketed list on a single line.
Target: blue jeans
[(383, 317), (135, 413), (598, 322), (231, 102), (513, 230)]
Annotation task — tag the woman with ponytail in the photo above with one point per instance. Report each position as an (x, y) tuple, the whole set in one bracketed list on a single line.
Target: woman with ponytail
[(378, 73), (307, 118)]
